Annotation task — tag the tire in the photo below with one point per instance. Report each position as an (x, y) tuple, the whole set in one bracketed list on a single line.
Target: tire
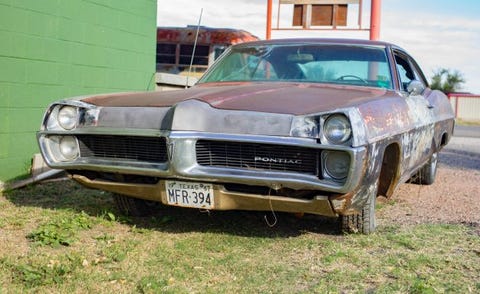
[(426, 175), (133, 206), (364, 222)]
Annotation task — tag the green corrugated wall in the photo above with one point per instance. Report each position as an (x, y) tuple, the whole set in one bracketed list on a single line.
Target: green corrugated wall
[(50, 49)]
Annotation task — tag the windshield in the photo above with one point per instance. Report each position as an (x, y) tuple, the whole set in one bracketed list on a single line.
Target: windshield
[(312, 63)]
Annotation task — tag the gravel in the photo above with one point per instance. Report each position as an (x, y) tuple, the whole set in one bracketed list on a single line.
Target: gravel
[(454, 198)]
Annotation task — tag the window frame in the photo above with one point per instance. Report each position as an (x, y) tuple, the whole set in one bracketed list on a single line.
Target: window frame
[(417, 72)]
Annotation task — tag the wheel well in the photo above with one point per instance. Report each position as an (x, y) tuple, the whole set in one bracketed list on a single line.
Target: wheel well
[(389, 172), (445, 139)]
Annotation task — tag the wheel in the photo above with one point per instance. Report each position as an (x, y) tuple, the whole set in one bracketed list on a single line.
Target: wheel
[(365, 221), (134, 206), (426, 175)]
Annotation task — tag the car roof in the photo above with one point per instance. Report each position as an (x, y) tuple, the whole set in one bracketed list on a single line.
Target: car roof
[(321, 41)]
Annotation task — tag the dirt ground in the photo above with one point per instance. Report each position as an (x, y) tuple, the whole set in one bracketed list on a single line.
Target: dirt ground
[(453, 198)]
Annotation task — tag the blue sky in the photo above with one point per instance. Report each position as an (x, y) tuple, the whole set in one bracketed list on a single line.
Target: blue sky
[(438, 33)]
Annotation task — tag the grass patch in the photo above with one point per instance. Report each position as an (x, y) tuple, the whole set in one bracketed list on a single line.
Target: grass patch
[(464, 122), (184, 251), (61, 229)]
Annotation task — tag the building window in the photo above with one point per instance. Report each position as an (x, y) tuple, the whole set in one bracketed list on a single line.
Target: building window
[(200, 58), (166, 53), (307, 15)]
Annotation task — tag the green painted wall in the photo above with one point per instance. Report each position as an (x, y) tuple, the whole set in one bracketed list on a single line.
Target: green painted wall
[(51, 49)]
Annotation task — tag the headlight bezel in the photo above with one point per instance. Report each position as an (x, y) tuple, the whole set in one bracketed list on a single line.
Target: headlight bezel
[(316, 126), (305, 127), (51, 121)]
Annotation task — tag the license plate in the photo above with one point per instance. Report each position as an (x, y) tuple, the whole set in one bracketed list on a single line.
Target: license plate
[(189, 194)]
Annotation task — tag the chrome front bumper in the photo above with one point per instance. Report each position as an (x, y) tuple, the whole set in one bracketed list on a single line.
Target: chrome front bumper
[(182, 163)]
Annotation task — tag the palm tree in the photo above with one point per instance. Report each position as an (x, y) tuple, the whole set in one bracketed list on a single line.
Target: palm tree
[(447, 81)]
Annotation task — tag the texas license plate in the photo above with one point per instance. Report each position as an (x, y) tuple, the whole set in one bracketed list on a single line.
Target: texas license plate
[(190, 194)]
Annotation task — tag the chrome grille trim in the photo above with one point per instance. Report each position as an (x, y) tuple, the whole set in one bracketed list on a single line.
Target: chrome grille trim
[(243, 155), (137, 148)]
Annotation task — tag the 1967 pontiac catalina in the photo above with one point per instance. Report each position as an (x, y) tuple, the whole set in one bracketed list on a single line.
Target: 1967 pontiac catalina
[(320, 126)]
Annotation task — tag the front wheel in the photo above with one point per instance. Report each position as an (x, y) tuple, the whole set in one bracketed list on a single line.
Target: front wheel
[(363, 222), (134, 206)]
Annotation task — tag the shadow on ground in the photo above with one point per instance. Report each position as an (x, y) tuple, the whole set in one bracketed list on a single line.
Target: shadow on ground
[(69, 195)]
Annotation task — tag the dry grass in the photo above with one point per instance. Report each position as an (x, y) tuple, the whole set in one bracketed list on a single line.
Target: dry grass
[(186, 251)]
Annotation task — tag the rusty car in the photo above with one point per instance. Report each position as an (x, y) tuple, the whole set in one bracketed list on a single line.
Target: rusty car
[(316, 126)]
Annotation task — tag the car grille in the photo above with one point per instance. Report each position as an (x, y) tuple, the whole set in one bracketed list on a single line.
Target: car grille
[(148, 149), (258, 156)]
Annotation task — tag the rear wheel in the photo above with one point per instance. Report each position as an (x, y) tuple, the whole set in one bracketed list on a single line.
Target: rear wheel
[(426, 175), (134, 206), (363, 222)]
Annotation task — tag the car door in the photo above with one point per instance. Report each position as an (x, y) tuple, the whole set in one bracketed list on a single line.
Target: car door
[(418, 141)]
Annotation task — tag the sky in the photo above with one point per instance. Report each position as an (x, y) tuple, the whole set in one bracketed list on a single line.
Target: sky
[(437, 33)]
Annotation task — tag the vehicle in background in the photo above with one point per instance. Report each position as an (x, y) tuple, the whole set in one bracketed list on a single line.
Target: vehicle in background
[(175, 47)]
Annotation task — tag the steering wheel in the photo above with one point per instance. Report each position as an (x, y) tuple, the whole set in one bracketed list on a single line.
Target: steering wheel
[(343, 78)]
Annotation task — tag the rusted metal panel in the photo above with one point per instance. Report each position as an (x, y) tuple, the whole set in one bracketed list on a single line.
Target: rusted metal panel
[(206, 35), (273, 98)]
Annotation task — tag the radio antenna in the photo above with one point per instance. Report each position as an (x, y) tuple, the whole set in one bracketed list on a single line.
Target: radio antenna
[(194, 47)]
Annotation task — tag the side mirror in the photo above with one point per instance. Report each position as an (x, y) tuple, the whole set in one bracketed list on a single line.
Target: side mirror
[(415, 87)]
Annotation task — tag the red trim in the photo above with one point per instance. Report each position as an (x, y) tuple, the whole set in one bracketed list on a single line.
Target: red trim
[(269, 20), (463, 95), (375, 19)]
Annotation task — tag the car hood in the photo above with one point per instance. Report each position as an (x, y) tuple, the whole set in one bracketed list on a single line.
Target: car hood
[(282, 98)]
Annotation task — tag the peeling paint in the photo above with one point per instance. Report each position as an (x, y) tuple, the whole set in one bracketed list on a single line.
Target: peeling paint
[(206, 35)]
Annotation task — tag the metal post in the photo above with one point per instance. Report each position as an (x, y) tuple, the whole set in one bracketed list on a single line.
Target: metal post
[(269, 20), (375, 19)]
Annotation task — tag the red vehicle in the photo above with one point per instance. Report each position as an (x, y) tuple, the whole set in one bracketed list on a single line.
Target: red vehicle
[(175, 47)]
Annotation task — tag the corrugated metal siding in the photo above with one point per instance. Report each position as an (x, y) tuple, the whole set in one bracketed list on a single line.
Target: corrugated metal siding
[(466, 107), (469, 108)]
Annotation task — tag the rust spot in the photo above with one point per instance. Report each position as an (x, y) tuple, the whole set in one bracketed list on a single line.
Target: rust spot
[(206, 35)]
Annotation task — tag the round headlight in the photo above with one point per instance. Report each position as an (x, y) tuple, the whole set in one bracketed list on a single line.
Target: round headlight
[(68, 147), (67, 117), (336, 164), (337, 129)]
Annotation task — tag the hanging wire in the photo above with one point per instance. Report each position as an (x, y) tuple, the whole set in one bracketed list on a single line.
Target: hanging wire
[(271, 225)]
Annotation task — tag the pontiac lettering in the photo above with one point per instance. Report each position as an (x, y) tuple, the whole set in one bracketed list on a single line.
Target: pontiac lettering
[(277, 160)]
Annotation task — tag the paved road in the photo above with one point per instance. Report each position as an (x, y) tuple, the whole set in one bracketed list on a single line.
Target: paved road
[(467, 131), (463, 150)]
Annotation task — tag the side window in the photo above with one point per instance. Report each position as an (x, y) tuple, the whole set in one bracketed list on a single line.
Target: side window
[(406, 71)]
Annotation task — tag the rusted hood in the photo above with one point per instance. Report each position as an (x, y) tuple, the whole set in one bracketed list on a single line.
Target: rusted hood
[(285, 98)]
